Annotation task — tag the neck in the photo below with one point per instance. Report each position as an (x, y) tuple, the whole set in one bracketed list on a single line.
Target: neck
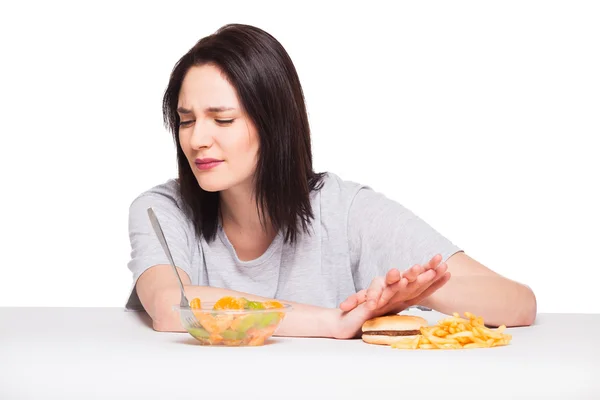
[(239, 211)]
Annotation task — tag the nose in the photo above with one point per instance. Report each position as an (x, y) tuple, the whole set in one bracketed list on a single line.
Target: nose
[(201, 136)]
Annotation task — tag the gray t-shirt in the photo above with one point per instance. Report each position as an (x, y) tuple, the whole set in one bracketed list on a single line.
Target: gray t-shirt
[(356, 235)]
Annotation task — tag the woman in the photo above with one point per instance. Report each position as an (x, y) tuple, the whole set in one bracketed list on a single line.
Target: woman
[(248, 216)]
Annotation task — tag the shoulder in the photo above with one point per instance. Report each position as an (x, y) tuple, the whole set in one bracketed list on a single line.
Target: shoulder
[(337, 191), (359, 204), (166, 193), (337, 198), (164, 198), (343, 194)]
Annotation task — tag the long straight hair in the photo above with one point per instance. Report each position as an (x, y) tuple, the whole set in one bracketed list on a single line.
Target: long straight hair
[(267, 84)]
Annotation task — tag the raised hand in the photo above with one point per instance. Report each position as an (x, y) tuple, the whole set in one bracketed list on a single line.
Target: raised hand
[(400, 290), (347, 325)]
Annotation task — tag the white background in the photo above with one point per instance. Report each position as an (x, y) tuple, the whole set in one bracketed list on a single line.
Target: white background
[(481, 117)]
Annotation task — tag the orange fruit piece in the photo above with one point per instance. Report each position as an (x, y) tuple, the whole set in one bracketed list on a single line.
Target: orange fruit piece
[(195, 303), (272, 304), (229, 303), (257, 341), (214, 324), (215, 339)]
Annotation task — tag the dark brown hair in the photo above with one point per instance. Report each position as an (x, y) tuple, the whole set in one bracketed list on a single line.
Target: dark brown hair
[(262, 73)]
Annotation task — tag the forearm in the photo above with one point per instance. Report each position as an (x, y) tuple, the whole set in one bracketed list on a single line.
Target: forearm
[(498, 300), (303, 321)]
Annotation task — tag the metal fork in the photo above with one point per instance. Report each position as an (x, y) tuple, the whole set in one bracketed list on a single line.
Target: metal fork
[(192, 321), (184, 303)]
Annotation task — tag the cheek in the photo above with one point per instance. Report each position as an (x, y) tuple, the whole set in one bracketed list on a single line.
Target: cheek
[(241, 146), (252, 145), (184, 143)]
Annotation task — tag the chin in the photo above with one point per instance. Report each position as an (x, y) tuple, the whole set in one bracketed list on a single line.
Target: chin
[(216, 182), (213, 181), (212, 185)]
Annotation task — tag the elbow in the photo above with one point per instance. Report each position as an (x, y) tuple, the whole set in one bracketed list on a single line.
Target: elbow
[(527, 309), (162, 326), (164, 317)]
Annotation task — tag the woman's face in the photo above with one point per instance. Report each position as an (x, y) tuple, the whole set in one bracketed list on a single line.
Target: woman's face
[(217, 137)]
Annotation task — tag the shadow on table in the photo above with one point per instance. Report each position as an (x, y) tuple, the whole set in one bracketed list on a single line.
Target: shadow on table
[(144, 318), (193, 342), (187, 339)]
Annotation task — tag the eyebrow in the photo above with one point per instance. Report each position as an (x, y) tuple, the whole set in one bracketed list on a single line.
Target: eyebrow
[(182, 110)]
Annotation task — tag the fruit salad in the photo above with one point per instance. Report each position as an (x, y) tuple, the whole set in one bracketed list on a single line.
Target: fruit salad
[(249, 328)]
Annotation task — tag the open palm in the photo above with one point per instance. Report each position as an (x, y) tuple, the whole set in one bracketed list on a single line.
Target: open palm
[(401, 290)]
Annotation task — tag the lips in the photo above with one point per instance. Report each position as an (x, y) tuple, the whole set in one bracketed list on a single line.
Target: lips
[(206, 160), (207, 163)]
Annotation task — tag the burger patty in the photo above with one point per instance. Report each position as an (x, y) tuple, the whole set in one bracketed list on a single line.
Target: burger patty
[(393, 333)]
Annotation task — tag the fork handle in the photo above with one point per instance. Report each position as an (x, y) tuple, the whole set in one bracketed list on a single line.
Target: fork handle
[(163, 242)]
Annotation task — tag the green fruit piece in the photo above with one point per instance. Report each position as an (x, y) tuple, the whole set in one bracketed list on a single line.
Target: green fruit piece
[(244, 302), (255, 305), (248, 321), (233, 335), (267, 319), (199, 333)]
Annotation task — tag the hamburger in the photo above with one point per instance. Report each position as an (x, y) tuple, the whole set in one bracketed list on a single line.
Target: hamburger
[(392, 328)]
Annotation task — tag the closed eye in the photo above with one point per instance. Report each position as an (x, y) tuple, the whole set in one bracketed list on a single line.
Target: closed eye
[(218, 121), (186, 123)]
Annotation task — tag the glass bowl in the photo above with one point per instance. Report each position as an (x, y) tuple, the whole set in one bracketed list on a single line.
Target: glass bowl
[(248, 327)]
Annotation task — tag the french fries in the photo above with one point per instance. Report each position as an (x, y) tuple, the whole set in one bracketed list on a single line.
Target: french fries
[(456, 333)]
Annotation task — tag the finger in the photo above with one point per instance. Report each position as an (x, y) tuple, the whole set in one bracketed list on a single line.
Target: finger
[(361, 296), (393, 292), (422, 282), (392, 276), (354, 300), (435, 260), (403, 283), (441, 270), (390, 291), (374, 292), (349, 304), (432, 289), (412, 273), (425, 280)]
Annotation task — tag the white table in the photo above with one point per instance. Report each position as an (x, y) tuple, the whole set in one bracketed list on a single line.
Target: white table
[(108, 353)]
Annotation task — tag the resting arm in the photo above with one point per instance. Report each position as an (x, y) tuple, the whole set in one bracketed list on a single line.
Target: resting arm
[(158, 291), (475, 288)]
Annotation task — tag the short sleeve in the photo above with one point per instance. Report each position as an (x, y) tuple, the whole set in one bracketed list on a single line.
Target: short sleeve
[(146, 250), (383, 234)]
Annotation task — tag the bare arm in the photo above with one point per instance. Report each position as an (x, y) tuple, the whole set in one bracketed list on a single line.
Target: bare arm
[(479, 290), (158, 291)]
